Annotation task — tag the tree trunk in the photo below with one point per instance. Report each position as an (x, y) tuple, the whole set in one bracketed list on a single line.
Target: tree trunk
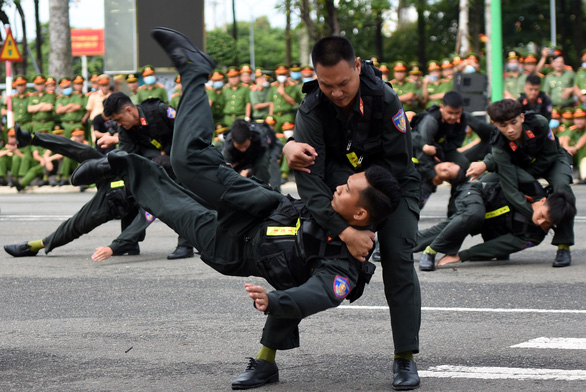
[(463, 31), (378, 38), (60, 59), (402, 11), (578, 29), (288, 32), (235, 30), (305, 10), (39, 40), (21, 67), (564, 15), (332, 18), (421, 33)]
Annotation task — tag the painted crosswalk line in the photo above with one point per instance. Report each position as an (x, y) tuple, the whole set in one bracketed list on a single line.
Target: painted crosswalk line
[(493, 373), (554, 343)]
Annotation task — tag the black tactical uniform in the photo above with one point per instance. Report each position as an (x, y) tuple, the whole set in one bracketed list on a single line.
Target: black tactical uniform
[(447, 138), (542, 105), (250, 229), (152, 139), (482, 208), (540, 155), (261, 157), (375, 132), (111, 201)]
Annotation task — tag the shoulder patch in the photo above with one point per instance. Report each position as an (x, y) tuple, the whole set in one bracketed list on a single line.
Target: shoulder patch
[(528, 244), (399, 121), (171, 112), (150, 218), (341, 286), (550, 135)]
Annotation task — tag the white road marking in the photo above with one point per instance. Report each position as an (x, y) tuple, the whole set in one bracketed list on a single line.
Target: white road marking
[(27, 218), (490, 310), (559, 343), (491, 373)]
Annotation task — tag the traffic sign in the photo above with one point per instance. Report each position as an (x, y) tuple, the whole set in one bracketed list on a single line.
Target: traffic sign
[(9, 51)]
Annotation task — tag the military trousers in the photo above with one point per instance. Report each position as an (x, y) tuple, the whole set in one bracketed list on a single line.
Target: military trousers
[(447, 236), (239, 205), (96, 211)]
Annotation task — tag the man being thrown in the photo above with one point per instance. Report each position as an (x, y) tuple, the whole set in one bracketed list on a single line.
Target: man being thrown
[(236, 226)]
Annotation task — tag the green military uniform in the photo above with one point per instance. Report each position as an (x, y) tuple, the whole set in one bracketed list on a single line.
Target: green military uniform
[(580, 81), (175, 97), (555, 84), (434, 88), (259, 95), (283, 111), (35, 170), (19, 107), (404, 88), (6, 159), (574, 134), (512, 84), (540, 155), (216, 104), (155, 91), (324, 126), (42, 121), (72, 120), (234, 101)]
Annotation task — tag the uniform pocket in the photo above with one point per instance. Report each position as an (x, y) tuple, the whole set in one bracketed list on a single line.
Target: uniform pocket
[(275, 270)]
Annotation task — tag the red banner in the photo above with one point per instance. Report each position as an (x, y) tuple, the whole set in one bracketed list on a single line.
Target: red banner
[(87, 42)]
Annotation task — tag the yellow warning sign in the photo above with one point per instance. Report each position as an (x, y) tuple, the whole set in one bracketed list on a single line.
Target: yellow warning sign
[(9, 50)]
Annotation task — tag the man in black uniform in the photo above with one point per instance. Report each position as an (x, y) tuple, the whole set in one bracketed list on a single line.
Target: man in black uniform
[(111, 201), (483, 208), (251, 149), (253, 230), (147, 130), (350, 119), (525, 141), (534, 99), (443, 129)]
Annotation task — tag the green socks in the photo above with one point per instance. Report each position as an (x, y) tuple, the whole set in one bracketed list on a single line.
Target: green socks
[(405, 354), (36, 245), (268, 354), (564, 246), (430, 251)]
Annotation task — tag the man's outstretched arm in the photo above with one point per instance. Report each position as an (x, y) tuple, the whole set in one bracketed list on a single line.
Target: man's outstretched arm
[(328, 286)]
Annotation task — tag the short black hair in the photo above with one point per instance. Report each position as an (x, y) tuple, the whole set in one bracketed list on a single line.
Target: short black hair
[(533, 79), (116, 103), (382, 196), (561, 207), (504, 110), (330, 51), (453, 99), (240, 131)]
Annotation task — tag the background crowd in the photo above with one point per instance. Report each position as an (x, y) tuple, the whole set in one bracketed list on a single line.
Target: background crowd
[(269, 99)]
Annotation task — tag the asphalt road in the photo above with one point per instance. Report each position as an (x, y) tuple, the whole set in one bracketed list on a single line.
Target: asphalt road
[(144, 323)]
